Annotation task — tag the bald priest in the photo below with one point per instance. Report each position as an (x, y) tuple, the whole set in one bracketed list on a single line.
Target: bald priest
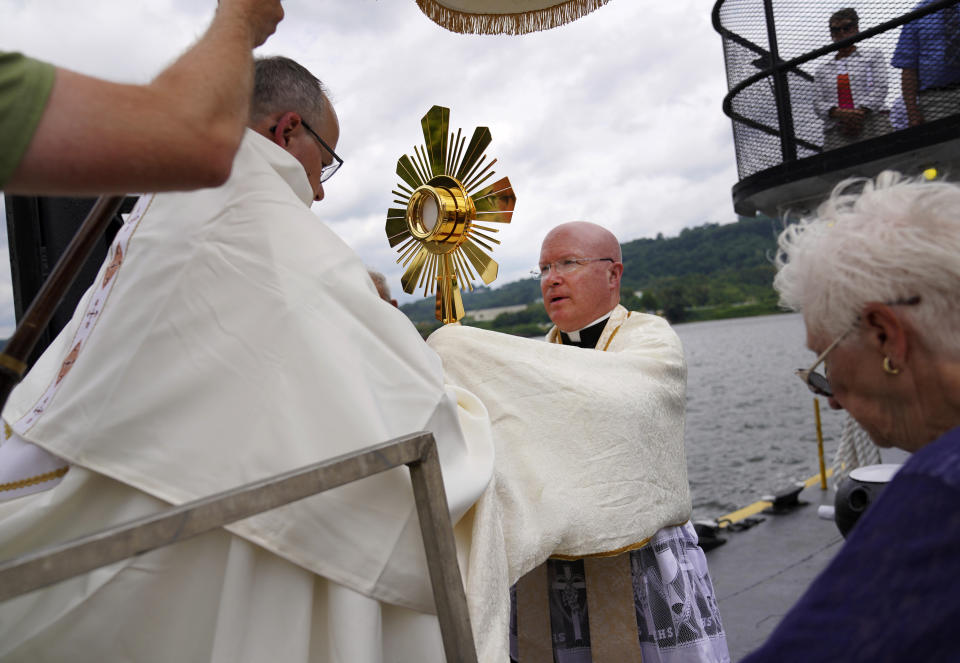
[(590, 473)]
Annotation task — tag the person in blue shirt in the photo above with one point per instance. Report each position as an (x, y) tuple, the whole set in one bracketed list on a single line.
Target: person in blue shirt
[(877, 275), (928, 55)]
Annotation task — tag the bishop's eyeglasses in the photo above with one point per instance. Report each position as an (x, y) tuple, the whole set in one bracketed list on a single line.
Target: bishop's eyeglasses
[(327, 171)]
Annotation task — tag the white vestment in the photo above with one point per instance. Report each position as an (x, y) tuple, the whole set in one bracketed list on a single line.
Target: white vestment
[(231, 336), (589, 451)]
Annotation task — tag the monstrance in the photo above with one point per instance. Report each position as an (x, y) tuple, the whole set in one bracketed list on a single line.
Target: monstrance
[(441, 232)]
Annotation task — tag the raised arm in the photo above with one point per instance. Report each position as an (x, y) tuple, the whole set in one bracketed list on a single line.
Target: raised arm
[(181, 131)]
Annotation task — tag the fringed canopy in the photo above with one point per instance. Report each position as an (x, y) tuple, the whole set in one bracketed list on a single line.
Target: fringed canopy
[(514, 17)]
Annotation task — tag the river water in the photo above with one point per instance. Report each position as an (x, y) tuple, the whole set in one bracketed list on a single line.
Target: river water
[(750, 422)]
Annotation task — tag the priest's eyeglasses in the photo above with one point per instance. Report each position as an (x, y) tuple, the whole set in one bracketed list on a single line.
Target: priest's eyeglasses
[(564, 266), (327, 172), (817, 382)]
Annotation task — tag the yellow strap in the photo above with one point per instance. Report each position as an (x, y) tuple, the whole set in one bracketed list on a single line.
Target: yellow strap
[(13, 364)]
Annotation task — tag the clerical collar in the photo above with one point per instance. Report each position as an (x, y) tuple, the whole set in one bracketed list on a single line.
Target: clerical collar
[(588, 336)]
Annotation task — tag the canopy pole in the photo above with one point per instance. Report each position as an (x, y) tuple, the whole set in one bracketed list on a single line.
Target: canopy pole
[(13, 359), (823, 469)]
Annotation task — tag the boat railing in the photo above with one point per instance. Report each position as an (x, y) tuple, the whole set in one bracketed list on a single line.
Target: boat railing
[(418, 451), (771, 93)]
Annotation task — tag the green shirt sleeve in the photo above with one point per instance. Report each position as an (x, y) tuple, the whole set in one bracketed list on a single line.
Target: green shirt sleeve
[(25, 86)]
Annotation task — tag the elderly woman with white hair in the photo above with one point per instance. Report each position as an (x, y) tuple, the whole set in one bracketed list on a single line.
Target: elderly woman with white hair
[(877, 276)]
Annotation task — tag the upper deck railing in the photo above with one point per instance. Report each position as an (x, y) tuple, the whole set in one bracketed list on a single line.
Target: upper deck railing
[(782, 74)]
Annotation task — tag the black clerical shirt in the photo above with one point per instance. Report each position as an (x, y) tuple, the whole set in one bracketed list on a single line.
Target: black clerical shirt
[(588, 335)]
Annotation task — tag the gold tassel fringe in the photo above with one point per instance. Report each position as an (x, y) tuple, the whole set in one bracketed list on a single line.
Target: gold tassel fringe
[(512, 24)]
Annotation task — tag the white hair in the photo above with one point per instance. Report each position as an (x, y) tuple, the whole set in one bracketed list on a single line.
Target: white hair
[(884, 240), (380, 281)]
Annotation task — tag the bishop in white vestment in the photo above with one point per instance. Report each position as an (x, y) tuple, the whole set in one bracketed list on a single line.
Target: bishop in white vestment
[(231, 336)]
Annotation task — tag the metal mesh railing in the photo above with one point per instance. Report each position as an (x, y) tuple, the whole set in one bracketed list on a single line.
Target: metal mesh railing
[(805, 78)]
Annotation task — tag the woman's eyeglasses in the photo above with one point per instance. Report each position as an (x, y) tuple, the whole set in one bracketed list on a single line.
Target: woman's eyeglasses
[(817, 382)]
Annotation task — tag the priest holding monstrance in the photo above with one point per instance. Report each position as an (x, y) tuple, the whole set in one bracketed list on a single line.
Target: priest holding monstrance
[(590, 472), (590, 462)]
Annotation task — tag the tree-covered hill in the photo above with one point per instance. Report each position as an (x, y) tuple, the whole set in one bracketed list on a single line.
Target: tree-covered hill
[(709, 271), (703, 250)]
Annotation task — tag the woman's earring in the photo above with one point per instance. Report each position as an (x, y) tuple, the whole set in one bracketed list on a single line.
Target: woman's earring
[(888, 369)]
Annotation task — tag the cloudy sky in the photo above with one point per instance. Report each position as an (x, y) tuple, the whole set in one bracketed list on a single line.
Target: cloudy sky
[(614, 118)]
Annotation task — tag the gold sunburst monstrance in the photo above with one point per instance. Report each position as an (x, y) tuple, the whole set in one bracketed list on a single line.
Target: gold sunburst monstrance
[(439, 233)]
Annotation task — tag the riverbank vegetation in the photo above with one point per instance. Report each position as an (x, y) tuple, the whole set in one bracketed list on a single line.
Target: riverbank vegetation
[(709, 272)]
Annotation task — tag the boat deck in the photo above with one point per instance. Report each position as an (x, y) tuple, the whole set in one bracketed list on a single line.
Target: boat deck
[(761, 572)]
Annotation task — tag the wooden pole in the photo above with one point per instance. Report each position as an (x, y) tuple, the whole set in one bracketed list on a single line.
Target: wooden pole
[(13, 359), (823, 469)]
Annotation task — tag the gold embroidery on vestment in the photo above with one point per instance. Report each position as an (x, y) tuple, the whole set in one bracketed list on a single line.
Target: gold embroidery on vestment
[(612, 553), (32, 481)]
